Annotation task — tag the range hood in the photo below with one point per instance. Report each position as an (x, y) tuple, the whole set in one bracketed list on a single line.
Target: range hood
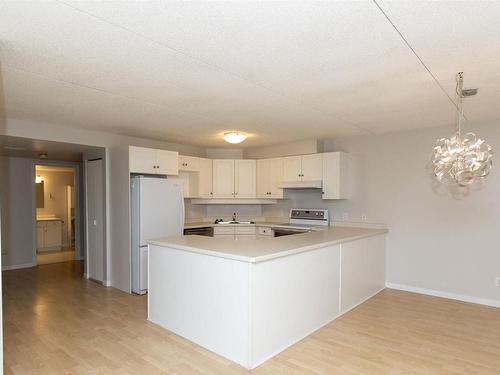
[(313, 184)]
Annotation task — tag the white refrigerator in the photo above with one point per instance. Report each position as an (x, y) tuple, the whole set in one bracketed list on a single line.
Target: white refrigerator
[(157, 210)]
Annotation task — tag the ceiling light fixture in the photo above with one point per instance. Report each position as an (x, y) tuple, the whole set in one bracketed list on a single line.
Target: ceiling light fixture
[(43, 155), (461, 159), (234, 137)]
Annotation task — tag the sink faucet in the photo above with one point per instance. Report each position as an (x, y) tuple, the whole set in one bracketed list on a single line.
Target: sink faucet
[(234, 216)]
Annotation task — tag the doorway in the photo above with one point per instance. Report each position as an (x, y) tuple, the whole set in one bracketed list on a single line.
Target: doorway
[(57, 213)]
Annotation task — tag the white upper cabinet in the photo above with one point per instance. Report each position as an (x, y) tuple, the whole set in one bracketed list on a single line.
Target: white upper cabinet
[(189, 163), (142, 160), (275, 177), (167, 162), (312, 167), (205, 178), (269, 176), (292, 168), (223, 178), (245, 179), (153, 161), (234, 178), (335, 175), (263, 167), (303, 168)]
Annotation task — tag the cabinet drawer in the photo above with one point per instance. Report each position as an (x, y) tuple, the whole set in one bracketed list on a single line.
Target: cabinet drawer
[(265, 231), (245, 230), (224, 230)]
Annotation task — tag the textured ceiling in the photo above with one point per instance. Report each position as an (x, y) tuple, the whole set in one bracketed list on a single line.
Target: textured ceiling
[(281, 71)]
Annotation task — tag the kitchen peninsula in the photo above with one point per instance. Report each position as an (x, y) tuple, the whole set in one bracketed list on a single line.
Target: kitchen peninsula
[(247, 300)]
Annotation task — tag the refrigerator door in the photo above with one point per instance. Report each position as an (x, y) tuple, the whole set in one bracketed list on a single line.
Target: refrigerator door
[(161, 209), (157, 210)]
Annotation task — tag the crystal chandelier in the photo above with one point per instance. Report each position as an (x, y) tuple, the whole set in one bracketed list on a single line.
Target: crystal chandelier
[(461, 159)]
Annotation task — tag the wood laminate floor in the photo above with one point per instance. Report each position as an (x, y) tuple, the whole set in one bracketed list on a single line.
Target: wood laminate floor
[(56, 322), (58, 256)]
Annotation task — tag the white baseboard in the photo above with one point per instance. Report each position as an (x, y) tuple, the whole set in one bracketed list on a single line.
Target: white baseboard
[(18, 266), (106, 283), (438, 293)]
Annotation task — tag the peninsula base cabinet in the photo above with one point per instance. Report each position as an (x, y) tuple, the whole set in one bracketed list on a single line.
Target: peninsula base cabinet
[(250, 311)]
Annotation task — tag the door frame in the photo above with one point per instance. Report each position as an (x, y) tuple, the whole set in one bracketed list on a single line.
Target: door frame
[(78, 201)]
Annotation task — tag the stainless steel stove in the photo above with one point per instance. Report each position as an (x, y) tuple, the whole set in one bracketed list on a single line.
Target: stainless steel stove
[(302, 220)]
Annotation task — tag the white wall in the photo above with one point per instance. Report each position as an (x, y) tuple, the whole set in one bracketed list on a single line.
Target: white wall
[(117, 185), (435, 241), (309, 146), (224, 153), (17, 201)]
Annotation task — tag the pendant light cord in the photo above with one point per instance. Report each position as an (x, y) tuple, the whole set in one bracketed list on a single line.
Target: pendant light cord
[(418, 57)]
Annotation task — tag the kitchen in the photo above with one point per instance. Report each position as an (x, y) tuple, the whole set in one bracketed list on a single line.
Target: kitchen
[(266, 187), (202, 266)]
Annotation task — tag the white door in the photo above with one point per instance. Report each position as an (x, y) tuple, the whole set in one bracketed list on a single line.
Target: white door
[(205, 178), (167, 162), (245, 179), (275, 177), (142, 160), (95, 219), (312, 167), (263, 188), (292, 168), (223, 178)]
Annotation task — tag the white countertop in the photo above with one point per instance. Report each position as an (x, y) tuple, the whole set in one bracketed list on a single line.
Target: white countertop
[(48, 219), (261, 249)]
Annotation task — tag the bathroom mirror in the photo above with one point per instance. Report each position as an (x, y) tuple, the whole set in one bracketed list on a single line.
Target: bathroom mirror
[(40, 195)]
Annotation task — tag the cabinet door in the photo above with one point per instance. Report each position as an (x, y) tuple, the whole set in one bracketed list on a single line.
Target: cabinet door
[(292, 168), (312, 167), (275, 178), (188, 163), (142, 160), (167, 162), (205, 178), (335, 175), (263, 188), (245, 172), (223, 178), (40, 235), (53, 234)]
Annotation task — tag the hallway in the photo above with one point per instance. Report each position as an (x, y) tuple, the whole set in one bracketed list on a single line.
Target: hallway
[(56, 322)]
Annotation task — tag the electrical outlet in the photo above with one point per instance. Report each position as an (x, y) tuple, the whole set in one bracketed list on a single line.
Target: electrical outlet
[(497, 281), (345, 216), (363, 217)]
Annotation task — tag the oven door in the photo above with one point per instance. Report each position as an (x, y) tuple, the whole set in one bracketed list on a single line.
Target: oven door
[(279, 232)]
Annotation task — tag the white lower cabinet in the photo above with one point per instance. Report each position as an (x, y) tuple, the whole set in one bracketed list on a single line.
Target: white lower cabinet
[(49, 235), (265, 232), (235, 232)]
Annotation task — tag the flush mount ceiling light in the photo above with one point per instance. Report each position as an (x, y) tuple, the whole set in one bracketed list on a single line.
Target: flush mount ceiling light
[(461, 159), (234, 137)]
